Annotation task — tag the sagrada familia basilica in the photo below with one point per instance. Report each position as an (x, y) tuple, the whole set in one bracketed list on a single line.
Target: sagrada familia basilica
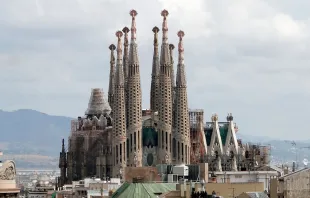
[(118, 133)]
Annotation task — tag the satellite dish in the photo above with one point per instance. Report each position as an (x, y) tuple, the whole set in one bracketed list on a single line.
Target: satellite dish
[(305, 161)]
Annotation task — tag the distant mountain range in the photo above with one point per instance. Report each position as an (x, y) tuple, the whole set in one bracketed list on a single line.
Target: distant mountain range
[(38, 136)]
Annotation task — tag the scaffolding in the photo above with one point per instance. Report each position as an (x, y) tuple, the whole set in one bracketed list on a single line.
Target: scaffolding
[(257, 156), (198, 143)]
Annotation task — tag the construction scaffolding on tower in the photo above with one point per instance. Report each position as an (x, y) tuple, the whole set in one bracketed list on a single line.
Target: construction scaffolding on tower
[(198, 142)]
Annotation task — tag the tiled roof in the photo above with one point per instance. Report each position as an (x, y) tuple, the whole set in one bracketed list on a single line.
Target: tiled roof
[(145, 190)]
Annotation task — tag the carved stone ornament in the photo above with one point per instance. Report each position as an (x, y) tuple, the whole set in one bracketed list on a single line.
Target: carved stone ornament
[(8, 170)]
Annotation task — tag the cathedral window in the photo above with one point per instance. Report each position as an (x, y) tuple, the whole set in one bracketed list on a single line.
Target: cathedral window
[(120, 153), (138, 139), (135, 141), (162, 139), (124, 148), (174, 149), (182, 153), (159, 138), (127, 150), (186, 154), (116, 151), (178, 150), (170, 142), (166, 141), (131, 142)]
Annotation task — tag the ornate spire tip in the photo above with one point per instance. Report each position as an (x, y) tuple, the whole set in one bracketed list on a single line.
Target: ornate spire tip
[(119, 34), (112, 47), (155, 29), (164, 13), (126, 30), (171, 46), (181, 34), (133, 13)]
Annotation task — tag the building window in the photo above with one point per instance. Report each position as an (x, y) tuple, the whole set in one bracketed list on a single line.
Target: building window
[(174, 149), (135, 141), (130, 142)]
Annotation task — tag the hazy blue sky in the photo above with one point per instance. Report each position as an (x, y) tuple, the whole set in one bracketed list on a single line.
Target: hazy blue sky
[(250, 58)]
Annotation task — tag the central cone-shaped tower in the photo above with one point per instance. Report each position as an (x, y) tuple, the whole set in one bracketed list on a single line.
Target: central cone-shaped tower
[(97, 104)]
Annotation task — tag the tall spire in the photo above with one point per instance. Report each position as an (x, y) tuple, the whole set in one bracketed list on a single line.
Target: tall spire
[(112, 75), (125, 67), (134, 133), (181, 80), (182, 134), (171, 48), (126, 53), (63, 164), (165, 14), (119, 75), (63, 146), (119, 124), (165, 115), (133, 14), (155, 73)]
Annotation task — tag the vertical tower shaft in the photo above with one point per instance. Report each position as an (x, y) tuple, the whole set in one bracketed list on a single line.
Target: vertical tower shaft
[(182, 130), (63, 164), (171, 48), (154, 96), (134, 129), (165, 107), (112, 75), (126, 54), (119, 120), (125, 68)]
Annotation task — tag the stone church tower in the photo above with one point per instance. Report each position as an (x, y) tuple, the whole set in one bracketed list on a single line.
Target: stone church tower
[(171, 48), (119, 120), (112, 75), (154, 96), (125, 68), (134, 114), (181, 139), (165, 107)]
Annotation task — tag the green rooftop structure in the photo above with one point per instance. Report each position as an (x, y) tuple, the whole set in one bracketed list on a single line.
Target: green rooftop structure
[(223, 133), (143, 190)]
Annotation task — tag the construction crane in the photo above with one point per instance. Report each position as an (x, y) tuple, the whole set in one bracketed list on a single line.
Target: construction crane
[(293, 143)]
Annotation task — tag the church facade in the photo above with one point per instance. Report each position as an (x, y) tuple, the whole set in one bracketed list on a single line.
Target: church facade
[(118, 133)]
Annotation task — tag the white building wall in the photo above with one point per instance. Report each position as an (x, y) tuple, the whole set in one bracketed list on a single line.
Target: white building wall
[(245, 177)]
